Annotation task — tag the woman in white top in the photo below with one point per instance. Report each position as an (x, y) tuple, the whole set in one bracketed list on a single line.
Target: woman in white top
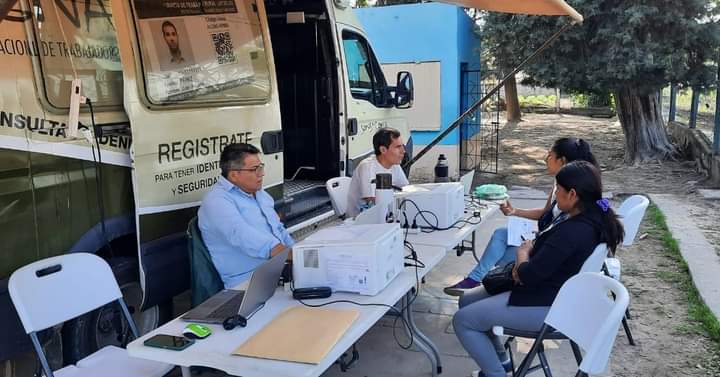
[(497, 251)]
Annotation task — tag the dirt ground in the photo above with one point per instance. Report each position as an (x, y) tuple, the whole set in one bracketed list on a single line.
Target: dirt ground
[(524, 144), (669, 343)]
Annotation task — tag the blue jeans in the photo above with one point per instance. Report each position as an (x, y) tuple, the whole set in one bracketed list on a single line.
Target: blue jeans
[(473, 324), (497, 252)]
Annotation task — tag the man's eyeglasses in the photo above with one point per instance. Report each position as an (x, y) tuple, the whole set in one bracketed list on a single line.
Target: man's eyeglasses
[(257, 169)]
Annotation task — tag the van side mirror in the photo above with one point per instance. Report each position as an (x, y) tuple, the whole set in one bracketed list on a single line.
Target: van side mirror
[(404, 90)]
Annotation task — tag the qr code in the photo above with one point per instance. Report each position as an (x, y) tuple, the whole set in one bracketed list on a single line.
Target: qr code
[(224, 47)]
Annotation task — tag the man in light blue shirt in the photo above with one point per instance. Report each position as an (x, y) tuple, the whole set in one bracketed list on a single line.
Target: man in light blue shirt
[(237, 218)]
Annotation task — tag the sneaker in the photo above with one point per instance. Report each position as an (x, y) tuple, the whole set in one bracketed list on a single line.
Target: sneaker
[(460, 288), (506, 365)]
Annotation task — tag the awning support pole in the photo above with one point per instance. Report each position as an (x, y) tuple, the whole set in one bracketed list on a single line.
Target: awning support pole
[(488, 95)]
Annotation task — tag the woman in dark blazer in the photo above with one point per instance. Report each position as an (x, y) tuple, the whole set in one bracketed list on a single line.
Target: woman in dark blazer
[(541, 268)]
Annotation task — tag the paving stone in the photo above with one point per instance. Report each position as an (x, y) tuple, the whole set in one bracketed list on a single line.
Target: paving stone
[(710, 194)]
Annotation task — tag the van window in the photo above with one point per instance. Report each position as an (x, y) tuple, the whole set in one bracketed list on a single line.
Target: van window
[(77, 39), (363, 70), (202, 52)]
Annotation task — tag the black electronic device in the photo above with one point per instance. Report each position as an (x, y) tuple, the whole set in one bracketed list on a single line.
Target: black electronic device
[(286, 275), (169, 342), (311, 293), (234, 321)]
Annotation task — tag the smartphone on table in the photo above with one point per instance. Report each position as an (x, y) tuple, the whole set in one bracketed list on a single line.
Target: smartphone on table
[(169, 342)]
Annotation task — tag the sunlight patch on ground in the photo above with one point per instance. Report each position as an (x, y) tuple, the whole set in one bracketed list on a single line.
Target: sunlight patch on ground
[(524, 167), (537, 152)]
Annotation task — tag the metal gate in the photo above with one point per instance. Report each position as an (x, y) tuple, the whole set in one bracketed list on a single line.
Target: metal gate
[(479, 136)]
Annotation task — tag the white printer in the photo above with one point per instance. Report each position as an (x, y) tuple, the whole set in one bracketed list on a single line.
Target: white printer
[(445, 201), (352, 258)]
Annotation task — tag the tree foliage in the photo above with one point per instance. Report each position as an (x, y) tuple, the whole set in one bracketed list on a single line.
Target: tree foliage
[(622, 44), (631, 48)]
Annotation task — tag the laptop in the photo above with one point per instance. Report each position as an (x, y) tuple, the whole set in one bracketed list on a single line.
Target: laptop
[(229, 302), (467, 181)]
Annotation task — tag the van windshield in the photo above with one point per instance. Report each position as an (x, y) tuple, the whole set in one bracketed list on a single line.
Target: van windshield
[(77, 39), (201, 51), (363, 69), (358, 66)]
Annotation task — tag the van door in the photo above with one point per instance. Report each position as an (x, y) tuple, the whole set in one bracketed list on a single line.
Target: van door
[(196, 78), (369, 105)]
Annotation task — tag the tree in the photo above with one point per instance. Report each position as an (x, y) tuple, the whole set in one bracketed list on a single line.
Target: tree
[(502, 57), (629, 48)]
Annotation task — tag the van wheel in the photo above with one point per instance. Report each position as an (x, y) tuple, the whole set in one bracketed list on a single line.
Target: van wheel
[(28, 364), (106, 325)]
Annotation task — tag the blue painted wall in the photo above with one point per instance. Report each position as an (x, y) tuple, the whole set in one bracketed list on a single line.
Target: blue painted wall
[(426, 32)]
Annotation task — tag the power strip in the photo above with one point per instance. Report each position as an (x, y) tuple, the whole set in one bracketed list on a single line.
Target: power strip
[(415, 230)]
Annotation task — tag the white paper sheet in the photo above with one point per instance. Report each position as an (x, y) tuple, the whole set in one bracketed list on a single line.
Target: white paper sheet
[(519, 228)]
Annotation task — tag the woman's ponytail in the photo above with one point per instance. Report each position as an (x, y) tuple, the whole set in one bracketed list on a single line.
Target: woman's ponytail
[(612, 231), (584, 178), (574, 149), (585, 153)]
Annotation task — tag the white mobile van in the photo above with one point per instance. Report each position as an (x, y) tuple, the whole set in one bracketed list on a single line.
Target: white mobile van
[(170, 83)]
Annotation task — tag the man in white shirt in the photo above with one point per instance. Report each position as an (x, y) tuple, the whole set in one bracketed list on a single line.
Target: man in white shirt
[(389, 152)]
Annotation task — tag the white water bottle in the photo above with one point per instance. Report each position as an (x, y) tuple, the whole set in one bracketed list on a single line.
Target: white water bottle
[(384, 198)]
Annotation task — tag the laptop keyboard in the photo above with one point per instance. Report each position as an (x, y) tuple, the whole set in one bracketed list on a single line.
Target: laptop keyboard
[(229, 308)]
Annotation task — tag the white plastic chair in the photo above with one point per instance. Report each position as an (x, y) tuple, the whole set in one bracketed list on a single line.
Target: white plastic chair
[(631, 213), (594, 262), (338, 189), (587, 310), (53, 290)]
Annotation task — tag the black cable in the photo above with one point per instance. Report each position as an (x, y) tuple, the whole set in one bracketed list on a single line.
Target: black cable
[(98, 176), (420, 212), (453, 226), (396, 311), (475, 202), (417, 282), (433, 228), (415, 293), (413, 256)]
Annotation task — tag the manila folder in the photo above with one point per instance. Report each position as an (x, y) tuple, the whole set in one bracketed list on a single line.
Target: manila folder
[(300, 334)]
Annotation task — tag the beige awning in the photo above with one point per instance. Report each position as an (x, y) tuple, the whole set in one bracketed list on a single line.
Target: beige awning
[(534, 7)]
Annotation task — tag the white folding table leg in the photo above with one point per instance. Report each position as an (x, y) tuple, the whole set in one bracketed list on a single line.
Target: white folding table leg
[(423, 342)]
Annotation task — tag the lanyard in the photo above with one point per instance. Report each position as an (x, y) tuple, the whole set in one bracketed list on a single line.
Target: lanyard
[(559, 219)]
